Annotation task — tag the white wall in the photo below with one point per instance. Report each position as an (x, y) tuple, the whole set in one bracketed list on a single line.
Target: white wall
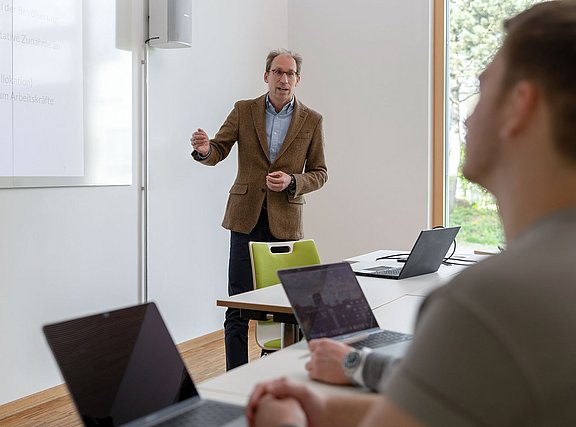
[(65, 252), (71, 251), (367, 70)]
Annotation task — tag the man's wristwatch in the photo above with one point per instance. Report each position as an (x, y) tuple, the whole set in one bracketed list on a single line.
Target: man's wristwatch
[(292, 185), (353, 364)]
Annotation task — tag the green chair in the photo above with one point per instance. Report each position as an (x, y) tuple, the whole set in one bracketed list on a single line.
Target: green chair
[(266, 260)]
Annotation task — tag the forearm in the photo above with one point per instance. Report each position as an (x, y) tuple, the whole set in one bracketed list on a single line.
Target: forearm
[(315, 173), (219, 150), (310, 180), (347, 410), (384, 413), (376, 369)]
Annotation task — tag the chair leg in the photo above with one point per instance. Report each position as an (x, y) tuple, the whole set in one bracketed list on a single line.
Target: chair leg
[(290, 334)]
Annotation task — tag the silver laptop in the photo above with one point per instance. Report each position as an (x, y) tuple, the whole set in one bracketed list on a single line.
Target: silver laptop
[(425, 257), (328, 302), (122, 368)]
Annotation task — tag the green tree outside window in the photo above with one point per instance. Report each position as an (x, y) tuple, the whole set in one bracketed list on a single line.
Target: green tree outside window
[(475, 33)]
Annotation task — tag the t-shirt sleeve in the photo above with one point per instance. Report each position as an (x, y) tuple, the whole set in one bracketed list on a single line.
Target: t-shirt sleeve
[(458, 370)]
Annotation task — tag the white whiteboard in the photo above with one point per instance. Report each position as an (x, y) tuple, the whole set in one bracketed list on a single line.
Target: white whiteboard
[(65, 95)]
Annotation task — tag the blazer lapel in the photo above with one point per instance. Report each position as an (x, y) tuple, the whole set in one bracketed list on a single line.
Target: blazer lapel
[(298, 118), (258, 118)]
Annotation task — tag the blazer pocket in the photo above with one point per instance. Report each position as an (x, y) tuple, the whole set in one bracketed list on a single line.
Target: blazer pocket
[(239, 189)]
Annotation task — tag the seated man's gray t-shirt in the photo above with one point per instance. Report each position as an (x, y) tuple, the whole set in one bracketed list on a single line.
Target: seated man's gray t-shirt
[(497, 345)]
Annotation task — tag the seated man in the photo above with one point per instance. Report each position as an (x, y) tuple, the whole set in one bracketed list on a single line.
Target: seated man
[(495, 346)]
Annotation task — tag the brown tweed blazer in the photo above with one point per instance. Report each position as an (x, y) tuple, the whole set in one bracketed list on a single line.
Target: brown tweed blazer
[(301, 154)]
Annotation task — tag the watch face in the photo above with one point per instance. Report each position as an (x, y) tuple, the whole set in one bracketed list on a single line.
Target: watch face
[(352, 360)]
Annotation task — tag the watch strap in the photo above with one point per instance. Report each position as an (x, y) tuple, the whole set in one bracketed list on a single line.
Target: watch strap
[(354, 374), (292, 185)]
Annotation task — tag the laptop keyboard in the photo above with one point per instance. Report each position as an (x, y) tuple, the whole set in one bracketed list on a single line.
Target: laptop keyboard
[(389, 271), (208, 414), (380, 339)]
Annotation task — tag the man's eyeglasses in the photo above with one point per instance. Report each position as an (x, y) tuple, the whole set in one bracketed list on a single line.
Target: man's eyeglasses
[(279, 73)]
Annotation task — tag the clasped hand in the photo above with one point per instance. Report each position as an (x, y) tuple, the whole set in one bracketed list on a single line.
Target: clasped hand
[(285, 402), (277, 181)]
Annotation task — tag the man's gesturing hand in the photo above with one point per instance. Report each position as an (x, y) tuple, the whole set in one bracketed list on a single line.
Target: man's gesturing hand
[(200, 142)]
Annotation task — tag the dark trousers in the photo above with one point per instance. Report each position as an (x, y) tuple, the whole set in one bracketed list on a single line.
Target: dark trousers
[(239, 281)]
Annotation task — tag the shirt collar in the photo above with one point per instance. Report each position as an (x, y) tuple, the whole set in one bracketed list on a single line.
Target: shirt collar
[(287, 108)]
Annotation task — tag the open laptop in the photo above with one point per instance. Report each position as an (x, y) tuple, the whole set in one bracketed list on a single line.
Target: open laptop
[(425, 257), (122, 368), (328, 302)]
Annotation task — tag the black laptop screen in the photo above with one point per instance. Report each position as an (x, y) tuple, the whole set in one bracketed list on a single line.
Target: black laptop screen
[(327, 300), (119, 366)]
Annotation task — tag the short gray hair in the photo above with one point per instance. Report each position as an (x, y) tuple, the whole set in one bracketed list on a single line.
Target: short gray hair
[(277, 52)]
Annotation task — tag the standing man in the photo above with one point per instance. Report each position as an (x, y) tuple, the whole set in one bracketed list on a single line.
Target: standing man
[(280, 158), (495, 346)]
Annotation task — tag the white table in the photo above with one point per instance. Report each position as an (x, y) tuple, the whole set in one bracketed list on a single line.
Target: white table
[(395, 304), (236, 385), (272, 303)]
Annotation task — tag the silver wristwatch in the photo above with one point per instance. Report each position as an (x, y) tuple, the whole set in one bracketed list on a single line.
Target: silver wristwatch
[(351, 363)]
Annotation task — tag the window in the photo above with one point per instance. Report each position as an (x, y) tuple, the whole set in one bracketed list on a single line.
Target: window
[(474, 32)]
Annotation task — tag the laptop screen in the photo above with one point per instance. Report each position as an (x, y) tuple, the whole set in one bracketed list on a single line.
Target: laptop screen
[(120, 365), (327, 300)]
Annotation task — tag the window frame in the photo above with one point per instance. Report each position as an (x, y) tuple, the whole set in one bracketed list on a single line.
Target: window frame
[(438, 113)]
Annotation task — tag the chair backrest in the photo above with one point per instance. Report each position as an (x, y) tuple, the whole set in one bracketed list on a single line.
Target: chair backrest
[(268, 258)]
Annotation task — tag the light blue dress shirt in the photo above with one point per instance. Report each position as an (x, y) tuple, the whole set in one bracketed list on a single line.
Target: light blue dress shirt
[(277, 125)]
